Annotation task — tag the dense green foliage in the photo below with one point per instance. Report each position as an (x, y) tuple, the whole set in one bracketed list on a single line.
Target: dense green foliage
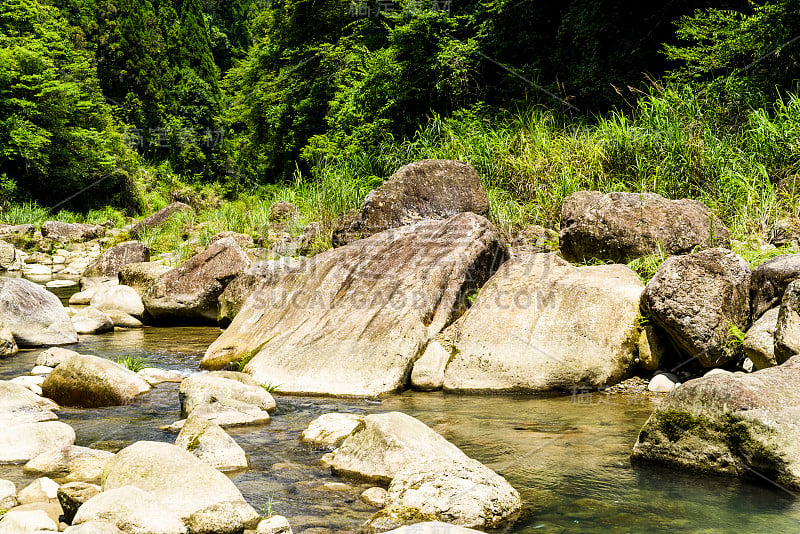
[(315, 101), (57, 134)]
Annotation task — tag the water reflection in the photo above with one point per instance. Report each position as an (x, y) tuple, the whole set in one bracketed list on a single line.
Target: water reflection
[(569, 460)]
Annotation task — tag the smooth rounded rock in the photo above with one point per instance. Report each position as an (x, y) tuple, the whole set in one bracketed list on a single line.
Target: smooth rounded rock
[(69, 464), (20, 443), (175, 477), (16, 522), (376, 497), (132, 510), (211, 444), (276, 524), (53, 356), (223, 518), (329, 430), (92, 321), (386, 443), (663, 383), (119, 298), (34, 315), (42, 489), (91, 381)]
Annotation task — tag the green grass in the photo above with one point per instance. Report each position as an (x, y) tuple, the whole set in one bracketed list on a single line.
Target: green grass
[(672, 142), (266, 510), (132, 363), (32, 213), (269, 387)]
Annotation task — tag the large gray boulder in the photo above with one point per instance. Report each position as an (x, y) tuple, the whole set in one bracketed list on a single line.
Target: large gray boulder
[(329, 430), (731, 423), (541, 324), (696, 299), (461, 492), (20, 521), (19, 405), (202, 389), (119, 298), (21, 442), (90, 381), (426, 189), (67, 232), (142, 275), (759, 341), (224, 518), (34, 315), (132, 510), (433, 527), (69, 464), (8, 495), (352, 320), (8, 255), (159, 218), (385, 444), (8, 345), (54, 356), (175, 477), (258, 276), (770, 280), (209, 442), (787, 328), (623, 226), (191, 291), (112, 260), (90, 320), (94, 527)]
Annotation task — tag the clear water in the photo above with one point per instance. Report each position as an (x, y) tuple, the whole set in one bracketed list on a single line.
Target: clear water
[(567, 456)]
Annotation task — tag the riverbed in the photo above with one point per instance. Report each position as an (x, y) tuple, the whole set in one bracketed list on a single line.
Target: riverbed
[(567, 455)]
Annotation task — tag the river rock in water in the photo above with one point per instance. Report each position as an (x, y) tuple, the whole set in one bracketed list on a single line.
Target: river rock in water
[(191, 291), (462, 492), (696, 299), (34, 315), (224, 518), (211, 444), (176, 478), (73, 494), (730, 423), (385, 444), (624, 226), (541, 324), (69, 464), (433, 527), (352, 320), (132, 510), (119, 298), (215, 387), (91, 381), (329, 430), (21, 442), (90, 320)]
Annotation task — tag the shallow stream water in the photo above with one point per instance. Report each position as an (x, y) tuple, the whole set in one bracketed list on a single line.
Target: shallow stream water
[(567, 456)]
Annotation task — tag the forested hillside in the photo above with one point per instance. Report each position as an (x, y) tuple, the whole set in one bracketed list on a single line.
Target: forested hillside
[(154, 100)]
